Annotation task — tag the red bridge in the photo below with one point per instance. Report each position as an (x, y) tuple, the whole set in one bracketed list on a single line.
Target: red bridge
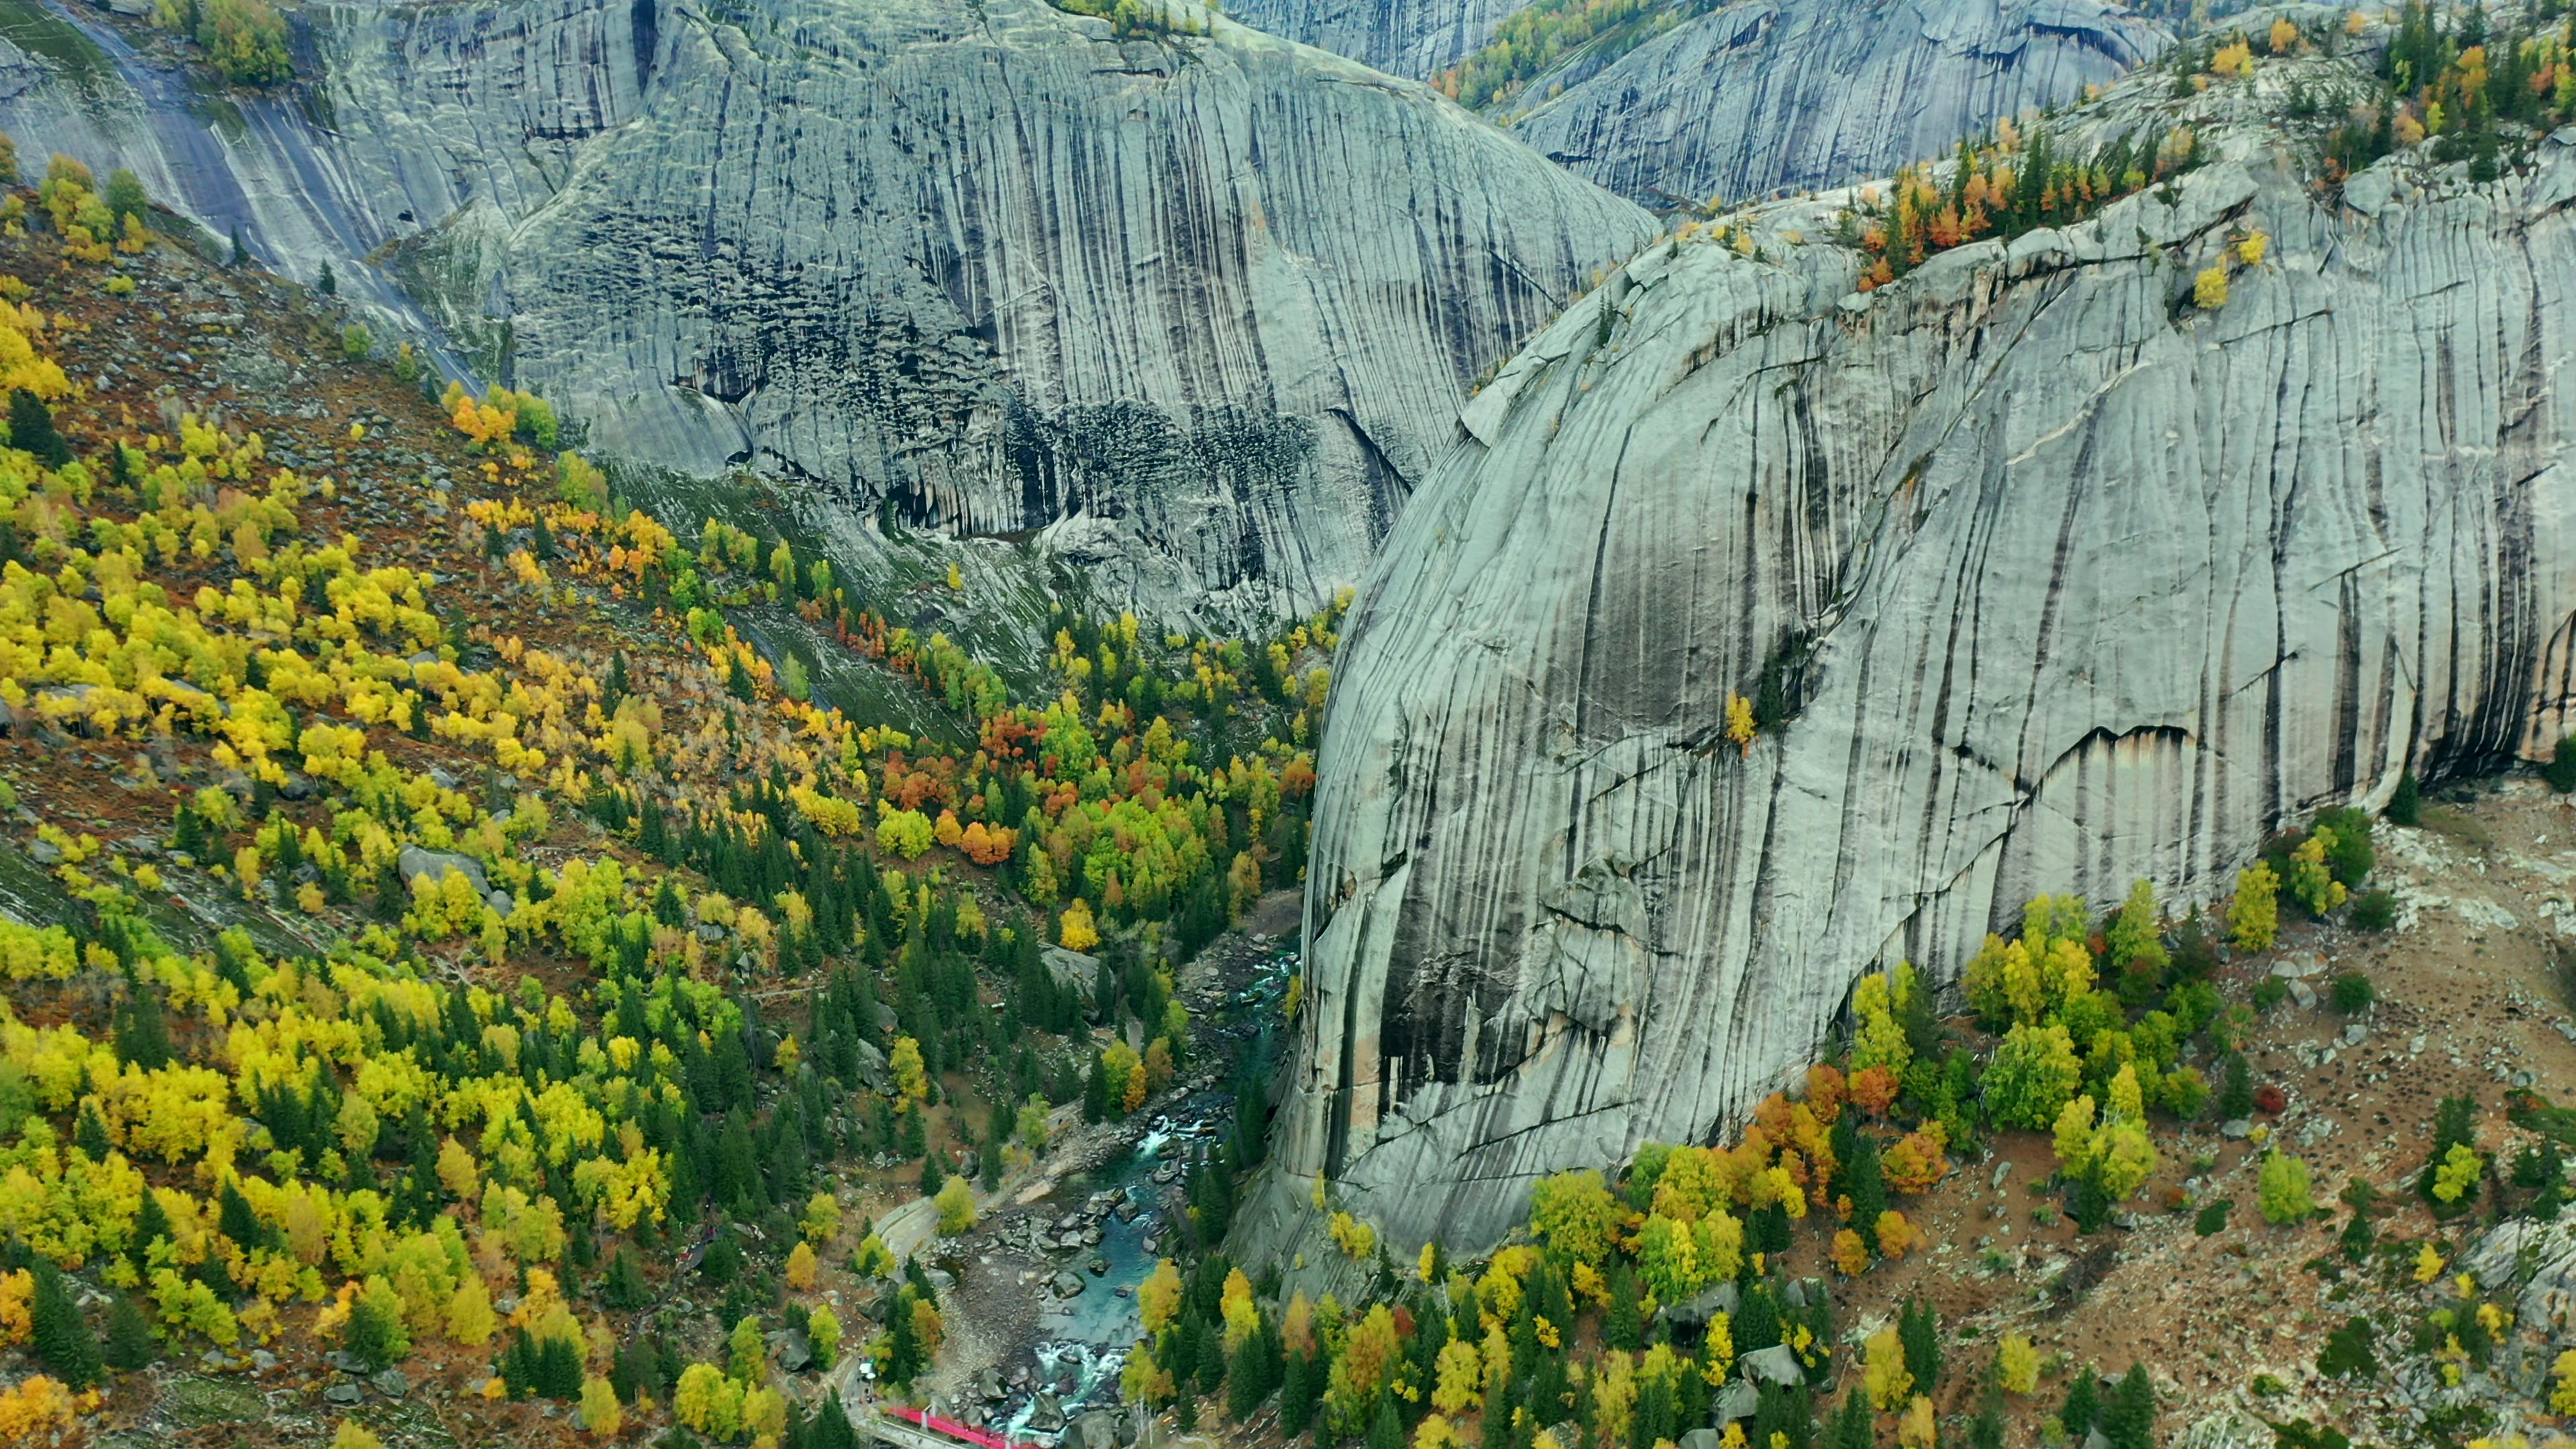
[(951, 1429)]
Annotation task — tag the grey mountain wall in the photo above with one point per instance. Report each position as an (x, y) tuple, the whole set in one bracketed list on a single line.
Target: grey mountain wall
[(1418, 38), (1768, 94), (1203, 309), (2095, 585)]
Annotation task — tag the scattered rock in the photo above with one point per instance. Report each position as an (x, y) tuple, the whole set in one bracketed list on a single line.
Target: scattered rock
[(438, 865), (1068, 1284), (393, 1383), (1776, 1364), (343, 1392)]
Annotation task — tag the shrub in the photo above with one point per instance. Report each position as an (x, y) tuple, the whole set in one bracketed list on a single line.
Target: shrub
[(2032, 1077), (2348, 851), (125, 195), (2236, 1095), (2353, 992), (2560, 772), (2407, 805), (2284, 1190), (2454, 1125), (2374, 910), (245, 39), (356, 342), (2254, 916)]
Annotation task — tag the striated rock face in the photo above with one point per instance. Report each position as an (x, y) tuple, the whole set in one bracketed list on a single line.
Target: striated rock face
[(1766, 94), (1403, 37), (2071, 582), (1203, 309)]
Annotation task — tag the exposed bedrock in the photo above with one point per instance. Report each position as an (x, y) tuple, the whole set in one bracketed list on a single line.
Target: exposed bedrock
[(2074, 582), (1766, 94), (1202, 307)]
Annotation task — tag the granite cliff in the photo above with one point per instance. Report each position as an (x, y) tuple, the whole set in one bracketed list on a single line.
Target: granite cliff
[(1202, 305), (2066, 572), (1400, 37), (1686, 100), (1769, 94)]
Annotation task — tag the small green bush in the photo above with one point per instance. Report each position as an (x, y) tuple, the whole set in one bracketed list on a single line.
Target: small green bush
[(2406, 807), (2353, 992), (356, 341), (2560, 772), (2284, 1190), (2373, 910)]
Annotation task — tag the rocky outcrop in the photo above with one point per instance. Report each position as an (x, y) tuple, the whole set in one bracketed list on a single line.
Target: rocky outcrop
[(1203, 307), (1401, 37), (1768, 94), (2062, 579)]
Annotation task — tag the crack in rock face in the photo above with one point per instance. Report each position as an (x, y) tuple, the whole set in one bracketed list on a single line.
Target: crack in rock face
[(2088, 583)]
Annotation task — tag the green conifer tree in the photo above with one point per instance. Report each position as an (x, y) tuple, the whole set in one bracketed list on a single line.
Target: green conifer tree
[(130, 1344), (58, 1335)]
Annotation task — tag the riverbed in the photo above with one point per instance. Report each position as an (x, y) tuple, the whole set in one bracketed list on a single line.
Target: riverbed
[(1026, 1358)]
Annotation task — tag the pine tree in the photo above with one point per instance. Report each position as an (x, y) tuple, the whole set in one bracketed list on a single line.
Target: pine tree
[(57, 1333), (903, 1352), (1297, 1394), (31, 429), (1864, 1181), (830, 1427), (325, 283), (2236, 1096), (130, 1344), (1855, 1427), (90, 1135), (142, 1029), (374, 1333), (241, 253), (1386, 1431), (235, 1220), (2083, 1404), (2129, 1419), (1920, 1333), (1620, 1324), (150, 1222), (624, 1285), (737, 1179)]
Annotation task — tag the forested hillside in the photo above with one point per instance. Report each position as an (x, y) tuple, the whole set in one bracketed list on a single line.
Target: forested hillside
[(436, 935)]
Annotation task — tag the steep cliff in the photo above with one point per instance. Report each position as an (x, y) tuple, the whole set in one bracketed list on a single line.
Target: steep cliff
[(1765, 94), (1401, 37), (1204, 305), (2064, 578)]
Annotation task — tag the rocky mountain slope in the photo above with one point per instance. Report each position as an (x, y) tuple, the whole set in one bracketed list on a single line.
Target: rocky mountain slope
[(1672, 104), (1206, 304), (1797, 93), (2064, 565), (1397, 36)]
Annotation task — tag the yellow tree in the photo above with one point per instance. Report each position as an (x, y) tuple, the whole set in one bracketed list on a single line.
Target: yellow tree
[(1158, 1298)]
